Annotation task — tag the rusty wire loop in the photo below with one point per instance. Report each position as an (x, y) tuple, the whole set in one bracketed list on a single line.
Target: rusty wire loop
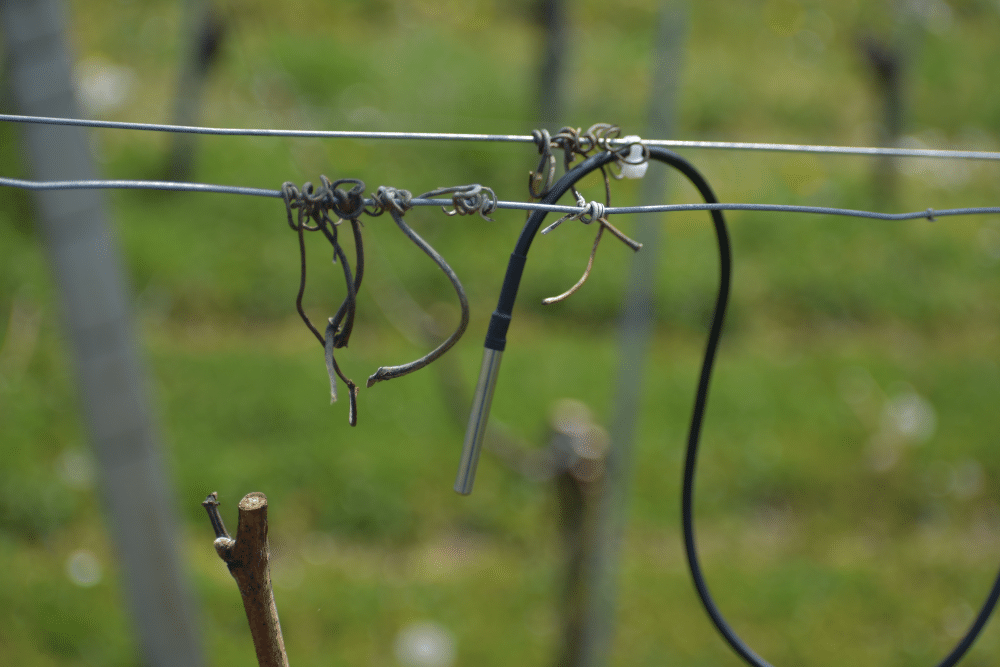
[(324, 209), (575, 143)]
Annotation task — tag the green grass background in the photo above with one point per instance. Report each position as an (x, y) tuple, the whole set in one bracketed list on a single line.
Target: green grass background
[(830, 536)]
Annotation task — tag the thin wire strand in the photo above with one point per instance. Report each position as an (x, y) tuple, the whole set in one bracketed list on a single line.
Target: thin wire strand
[(261, 132), (137, 185), (929, 214), (831, 150), (516, 138)]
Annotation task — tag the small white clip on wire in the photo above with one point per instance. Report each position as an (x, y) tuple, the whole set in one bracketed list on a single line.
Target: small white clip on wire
[(634, 164)]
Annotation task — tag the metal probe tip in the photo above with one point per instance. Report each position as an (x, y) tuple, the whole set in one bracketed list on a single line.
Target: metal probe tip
[(475, 433)]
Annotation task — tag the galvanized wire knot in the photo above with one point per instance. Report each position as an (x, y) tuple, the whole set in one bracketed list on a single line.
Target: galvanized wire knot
[(595, 211), (590, 212), (467, 199)]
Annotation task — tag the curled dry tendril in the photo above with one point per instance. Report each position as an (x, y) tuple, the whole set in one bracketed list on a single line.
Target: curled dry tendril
[(594, 211), (575, 143), (316, 205), (325, 209)]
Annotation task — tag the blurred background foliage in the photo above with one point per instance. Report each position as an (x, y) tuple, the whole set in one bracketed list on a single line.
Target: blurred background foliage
[(847, 497)]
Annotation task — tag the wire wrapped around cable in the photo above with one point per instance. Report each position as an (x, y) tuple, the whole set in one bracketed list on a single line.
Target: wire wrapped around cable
[(496, 340)]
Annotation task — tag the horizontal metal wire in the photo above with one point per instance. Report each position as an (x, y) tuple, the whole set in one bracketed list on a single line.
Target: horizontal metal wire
[(833, 150), (516, 205), (929, 214), (137, 185), (518, 138), (260, 132)]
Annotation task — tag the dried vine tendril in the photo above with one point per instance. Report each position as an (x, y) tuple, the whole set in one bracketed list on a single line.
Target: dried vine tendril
[(575, 143), (316, 205), (324, 209), (467, 200), (595, 211)]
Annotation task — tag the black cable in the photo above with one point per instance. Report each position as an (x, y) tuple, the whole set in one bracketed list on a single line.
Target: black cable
[(496, 340), (698, 417), (694, 434)]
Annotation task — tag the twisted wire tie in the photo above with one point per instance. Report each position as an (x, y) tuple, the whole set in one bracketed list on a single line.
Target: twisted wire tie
[(603, 135), (592, 211), (595, 211), (572, 141), (316, 202)]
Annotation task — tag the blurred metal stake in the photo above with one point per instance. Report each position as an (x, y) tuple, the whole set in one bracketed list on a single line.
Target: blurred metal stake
[(95, 304), (888, 64), (551, 72), (635, 331), (203, 32)]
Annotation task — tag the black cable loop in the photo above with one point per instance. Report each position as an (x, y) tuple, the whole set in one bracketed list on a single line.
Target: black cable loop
[(496, 340), (691, 455)]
